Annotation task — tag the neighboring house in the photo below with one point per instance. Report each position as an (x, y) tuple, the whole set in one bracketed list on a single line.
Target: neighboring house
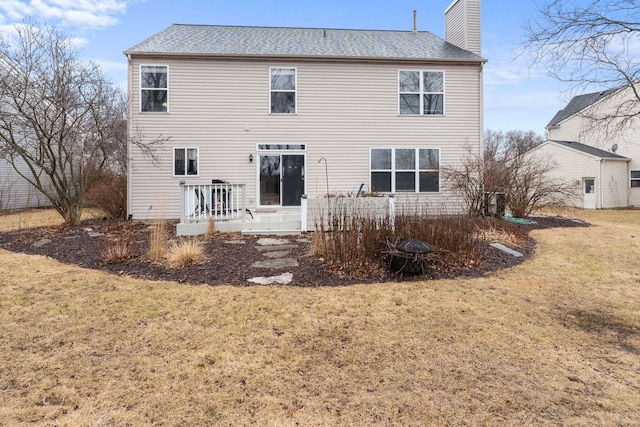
[(603, 160), (283, 112), (15, 191)]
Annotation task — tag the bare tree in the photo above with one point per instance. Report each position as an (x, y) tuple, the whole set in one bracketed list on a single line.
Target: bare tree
[(59, 115), (469, 180), (533, 185), (506, 167), (592, 46)]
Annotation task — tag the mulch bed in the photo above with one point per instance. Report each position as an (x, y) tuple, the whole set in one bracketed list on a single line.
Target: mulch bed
[(231, 263)]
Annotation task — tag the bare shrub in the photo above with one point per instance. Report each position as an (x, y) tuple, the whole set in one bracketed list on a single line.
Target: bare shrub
[(118, 249), (533, 185), (184, 253), (452, 237), (355, 238), (109, 193)]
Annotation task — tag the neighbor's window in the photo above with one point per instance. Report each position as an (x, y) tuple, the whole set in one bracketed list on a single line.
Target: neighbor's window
[(154, 89), (283, 90), (185, 161), (405, 170), (421, 92), (635, 179)]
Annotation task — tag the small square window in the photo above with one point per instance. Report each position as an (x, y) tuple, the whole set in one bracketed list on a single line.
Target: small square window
[(185, 161), (421, 92)]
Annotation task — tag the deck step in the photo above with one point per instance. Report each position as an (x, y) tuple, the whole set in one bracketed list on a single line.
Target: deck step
[(272, 232), (284, 227)]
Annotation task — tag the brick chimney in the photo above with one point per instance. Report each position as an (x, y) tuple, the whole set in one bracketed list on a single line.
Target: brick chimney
[(462, 25)]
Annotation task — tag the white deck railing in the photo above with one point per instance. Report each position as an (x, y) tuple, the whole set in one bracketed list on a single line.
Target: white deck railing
[(222, 201)]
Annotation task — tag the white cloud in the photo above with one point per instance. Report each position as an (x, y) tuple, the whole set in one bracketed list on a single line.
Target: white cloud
[(77, 15), (13, 10), (508, 65)]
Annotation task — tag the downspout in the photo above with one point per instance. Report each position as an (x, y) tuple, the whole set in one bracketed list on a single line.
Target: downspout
[(481, 108), (601, 192), (129, 134)]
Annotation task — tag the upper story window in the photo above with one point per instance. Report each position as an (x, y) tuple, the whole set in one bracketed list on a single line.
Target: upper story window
[(398, 170), (185, 161), (154, 88), (283, 90), (421, 92), (635, 179)]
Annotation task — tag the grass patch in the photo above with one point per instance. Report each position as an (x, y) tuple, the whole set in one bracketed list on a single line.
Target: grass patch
[(553, 341)]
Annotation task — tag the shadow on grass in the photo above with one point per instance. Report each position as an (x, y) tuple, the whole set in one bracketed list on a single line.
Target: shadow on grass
[(605, 326)]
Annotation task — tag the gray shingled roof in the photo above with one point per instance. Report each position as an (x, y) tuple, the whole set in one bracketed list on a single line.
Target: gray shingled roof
[(213, 40), (589, 150), (577, 104)]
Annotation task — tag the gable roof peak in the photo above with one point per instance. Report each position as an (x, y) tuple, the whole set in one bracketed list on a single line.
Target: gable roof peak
[(577, 104)]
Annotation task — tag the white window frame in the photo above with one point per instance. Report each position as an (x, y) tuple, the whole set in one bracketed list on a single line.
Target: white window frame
[(634, 179), (416, 170), (186, 157), (142, 89), (294, 91), (421, 93)]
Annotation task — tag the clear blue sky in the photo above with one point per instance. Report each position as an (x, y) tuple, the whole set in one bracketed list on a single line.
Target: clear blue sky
[(516, 97)]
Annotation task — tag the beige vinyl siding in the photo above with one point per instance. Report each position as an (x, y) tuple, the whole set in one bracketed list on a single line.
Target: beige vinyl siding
[(343, 109), (463, 25)]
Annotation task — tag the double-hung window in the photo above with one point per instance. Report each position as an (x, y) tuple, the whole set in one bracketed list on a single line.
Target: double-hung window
[(185, 161), (635, 179), (154, 88), (282, 90), (421, 92), (405, 170)]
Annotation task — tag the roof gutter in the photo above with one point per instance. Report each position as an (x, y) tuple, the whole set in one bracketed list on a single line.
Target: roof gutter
[(305, 57)]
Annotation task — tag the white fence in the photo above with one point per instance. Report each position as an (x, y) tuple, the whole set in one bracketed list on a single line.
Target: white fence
[(316, 211)]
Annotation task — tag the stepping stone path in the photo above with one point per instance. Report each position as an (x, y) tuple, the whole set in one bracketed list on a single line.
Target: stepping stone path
[(507, 250), (283, 279), (275, 251)]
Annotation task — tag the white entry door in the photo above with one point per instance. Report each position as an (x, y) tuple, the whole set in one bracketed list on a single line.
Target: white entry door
[(589, 193)]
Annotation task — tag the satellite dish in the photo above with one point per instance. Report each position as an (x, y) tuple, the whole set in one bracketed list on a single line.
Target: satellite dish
[(614, 147)]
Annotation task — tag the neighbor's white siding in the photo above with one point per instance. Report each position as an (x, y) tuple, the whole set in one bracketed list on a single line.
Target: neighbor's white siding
[(572, 166), (15, 191), (343, 109), (577, 128)]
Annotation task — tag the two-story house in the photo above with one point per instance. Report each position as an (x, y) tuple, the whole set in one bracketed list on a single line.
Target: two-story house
[(600, 156), (272, 114)]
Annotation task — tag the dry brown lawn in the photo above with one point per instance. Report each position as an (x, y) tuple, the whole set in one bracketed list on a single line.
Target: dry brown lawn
[(554, 341)]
